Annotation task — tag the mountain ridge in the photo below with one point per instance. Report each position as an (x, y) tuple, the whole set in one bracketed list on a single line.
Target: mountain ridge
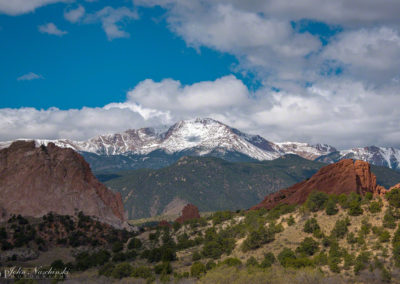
[(155, 147)]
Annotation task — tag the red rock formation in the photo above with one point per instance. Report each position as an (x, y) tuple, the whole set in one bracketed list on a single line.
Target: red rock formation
[(189, 212), (164, 223), (395, 186), (35, 181), (345, 176)]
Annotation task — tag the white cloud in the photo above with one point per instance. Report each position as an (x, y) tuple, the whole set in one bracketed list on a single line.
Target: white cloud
[(74, 15), (17, 7), (339, 12), (113, 20), (266, 44), (29, 77), (341, 112), (372, 54), (51, 29)]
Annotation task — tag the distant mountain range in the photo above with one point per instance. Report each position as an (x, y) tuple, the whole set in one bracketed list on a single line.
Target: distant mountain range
[(162, 146)]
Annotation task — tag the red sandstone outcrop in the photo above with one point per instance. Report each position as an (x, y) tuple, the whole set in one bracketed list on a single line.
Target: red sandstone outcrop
[(345, 176), (189, 212), (395, 186), (35, 181), (164, 223)]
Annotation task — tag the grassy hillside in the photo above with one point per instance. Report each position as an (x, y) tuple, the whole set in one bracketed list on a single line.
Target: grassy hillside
[(329, 239), (214, 184), (211, 184)]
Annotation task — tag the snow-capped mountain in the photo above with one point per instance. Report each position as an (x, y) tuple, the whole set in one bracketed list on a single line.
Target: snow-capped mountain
[(205, 137), (379, 156), (305, 150), (199, 136)]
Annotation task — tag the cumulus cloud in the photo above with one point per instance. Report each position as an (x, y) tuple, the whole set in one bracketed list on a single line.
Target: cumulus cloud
[(372, 54), (354, 13), (51, 29), (74, 15), (29, 77), (261, 35), (113, 20), (341, 112), (17, 7)]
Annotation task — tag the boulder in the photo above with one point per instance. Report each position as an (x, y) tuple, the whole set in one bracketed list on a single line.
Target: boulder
[(189, 212)]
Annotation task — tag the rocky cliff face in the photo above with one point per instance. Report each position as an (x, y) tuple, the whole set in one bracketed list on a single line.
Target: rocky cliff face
[(345, 176), (37, 180), (189, 212)]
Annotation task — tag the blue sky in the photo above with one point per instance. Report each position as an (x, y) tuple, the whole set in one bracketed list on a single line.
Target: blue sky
[(84, 68), (316, 71)]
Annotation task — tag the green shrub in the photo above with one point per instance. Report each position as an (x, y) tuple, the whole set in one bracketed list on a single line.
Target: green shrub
[(342, 199), (351, 238), (316, 201), (3, 234), (375, 207), (221, 216), (159, 254), (396, 254), (334, 264), (384, 237), (361, 262), (134, 243), (280, 210), (269, 259), (58, 265), (393, 197), (286, 256), (107, 269), (389, 219), (340, 229), (142, 272), (210, 265), (348, 261), (184, 242), (259, 237), (321, 258), (217, 244), (331, 208), (163, 268), (386, 275), (291, 221), (117, 247), (122, 270), (354, 204), (308, 247), (196, 256), (311, 226), (197, 269), (252, 261), (176, 226), (368, 196)]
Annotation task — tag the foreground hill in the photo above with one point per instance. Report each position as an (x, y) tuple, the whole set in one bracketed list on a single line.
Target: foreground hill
[(37, 180), (214, 184), (329, 239)]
